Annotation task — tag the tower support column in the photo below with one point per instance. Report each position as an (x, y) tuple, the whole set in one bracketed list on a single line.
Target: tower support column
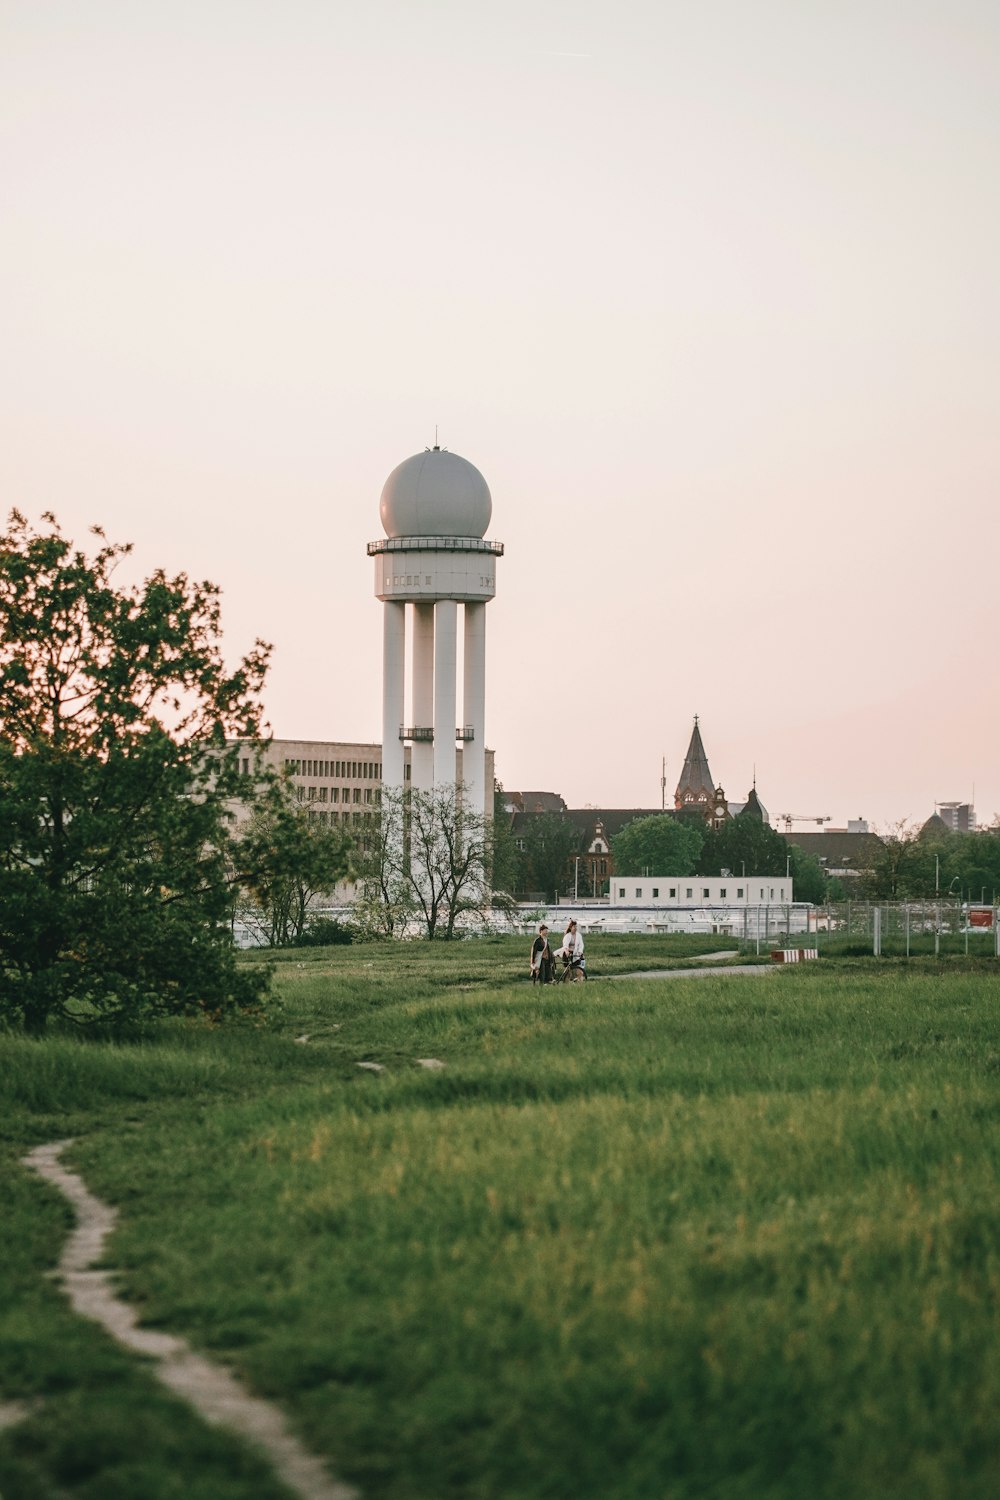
[(445, 653), (423, 772), (393, 684), (474, 717)]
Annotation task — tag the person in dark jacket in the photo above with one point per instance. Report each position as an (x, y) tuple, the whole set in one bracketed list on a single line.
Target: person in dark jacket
[(541, 958)]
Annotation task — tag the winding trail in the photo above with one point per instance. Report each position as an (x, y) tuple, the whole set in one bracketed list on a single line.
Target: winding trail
[(758, 969), (215, 1393)]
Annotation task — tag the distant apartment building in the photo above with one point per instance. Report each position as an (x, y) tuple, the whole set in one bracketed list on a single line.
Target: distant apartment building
[(960, 817)]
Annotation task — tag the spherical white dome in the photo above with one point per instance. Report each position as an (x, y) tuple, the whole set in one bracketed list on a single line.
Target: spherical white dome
[(435, 493)]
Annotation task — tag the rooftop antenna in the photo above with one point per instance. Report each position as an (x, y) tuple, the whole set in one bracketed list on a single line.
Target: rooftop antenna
[(663, 785), (437, 445)]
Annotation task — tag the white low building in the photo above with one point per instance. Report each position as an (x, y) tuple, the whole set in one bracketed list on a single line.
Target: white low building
[(701, 890), (750, 907)]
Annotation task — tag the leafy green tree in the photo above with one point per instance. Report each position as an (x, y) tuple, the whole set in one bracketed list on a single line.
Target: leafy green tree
[(900, 868), (810, 879), (286, 856), (940, 862), (744, 844), (691, 817), (507, 873), (550, 842), (978, 864), (116, 780), (658, 845)]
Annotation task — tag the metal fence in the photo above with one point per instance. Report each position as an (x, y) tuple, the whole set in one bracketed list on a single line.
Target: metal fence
[(908, 928)]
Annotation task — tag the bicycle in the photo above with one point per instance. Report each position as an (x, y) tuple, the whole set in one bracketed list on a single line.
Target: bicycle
[(573, 970)]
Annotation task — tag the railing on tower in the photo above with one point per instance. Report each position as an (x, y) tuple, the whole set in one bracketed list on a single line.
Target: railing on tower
[(434, 544)]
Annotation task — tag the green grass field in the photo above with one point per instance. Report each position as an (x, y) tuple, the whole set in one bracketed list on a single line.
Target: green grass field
[(651, 1240)]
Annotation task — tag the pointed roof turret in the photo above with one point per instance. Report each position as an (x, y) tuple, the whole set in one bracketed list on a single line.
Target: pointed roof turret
[(935, 827), (695, 784), (753, 808)]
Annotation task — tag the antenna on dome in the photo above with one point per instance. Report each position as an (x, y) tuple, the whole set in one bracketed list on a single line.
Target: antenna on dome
[(437, 445)]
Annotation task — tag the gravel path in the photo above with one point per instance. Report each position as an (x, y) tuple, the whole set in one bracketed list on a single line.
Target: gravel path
[(215, 1393)]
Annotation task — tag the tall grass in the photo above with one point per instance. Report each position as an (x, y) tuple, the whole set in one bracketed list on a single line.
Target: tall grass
[(634, 1240)]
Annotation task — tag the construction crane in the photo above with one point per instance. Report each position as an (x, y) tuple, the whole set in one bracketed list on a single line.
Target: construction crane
[(789, 818)]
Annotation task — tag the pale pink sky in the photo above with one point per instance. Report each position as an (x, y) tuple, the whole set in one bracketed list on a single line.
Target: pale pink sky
[(709, 293)]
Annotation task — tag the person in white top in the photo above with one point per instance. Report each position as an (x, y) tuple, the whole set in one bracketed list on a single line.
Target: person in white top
[(572, 951)]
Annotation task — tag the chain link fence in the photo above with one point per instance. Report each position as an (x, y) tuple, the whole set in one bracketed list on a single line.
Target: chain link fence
[(904, 929)]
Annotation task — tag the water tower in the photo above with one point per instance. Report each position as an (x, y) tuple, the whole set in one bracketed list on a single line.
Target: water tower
[(435, 509)]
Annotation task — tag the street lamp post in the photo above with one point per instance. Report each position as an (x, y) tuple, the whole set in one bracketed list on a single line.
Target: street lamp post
[(951, 889)]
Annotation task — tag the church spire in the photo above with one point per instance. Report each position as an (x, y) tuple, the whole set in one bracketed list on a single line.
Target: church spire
[(695, 784)]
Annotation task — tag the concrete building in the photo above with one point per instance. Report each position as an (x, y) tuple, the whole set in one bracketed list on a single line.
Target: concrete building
[(435, 509), (340, 781)]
